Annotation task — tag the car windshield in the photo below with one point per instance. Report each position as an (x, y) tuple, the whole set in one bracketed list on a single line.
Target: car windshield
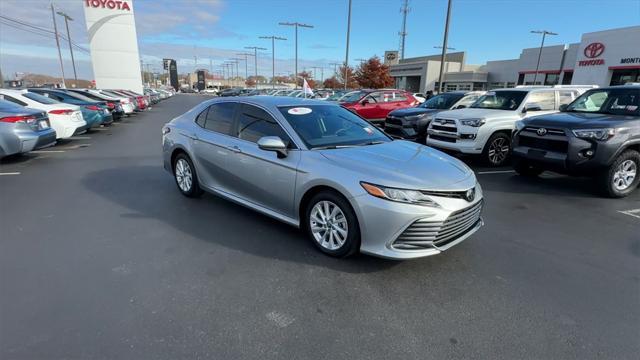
[(442, 101), (500, 100), (79, 97), (337, 95), (608, 101), (327, 126), (39, 98), (352, 96)]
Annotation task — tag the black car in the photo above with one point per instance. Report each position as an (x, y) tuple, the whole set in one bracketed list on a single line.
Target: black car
[(411, 123), (598, 135)]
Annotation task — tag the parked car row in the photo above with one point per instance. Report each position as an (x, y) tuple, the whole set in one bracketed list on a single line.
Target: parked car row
[(575, 130), (35, 118)]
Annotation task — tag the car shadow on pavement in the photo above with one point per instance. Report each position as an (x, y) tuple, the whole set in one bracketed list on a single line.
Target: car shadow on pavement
[(150, 192), (546, 184), (17, 159)]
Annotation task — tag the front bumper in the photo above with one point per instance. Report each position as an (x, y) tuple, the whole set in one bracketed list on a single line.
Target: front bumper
[(382, 223)]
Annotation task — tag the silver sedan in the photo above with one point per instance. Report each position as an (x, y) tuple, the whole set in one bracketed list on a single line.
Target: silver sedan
[(320, 167)]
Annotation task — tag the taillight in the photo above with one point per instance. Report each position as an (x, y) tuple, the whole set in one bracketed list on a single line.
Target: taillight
[(61, 112), (111, 105), (18, 119), (92, 107)]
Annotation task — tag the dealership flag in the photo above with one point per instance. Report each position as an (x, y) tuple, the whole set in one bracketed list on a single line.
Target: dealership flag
[(306, 89)]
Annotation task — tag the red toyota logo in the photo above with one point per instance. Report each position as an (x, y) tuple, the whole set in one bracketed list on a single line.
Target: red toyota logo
[(594, 50)]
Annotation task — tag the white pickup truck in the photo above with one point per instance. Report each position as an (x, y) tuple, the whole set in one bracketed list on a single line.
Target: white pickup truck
[(485, 127)]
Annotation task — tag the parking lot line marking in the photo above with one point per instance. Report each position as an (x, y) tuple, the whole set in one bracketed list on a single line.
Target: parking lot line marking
[(495, 172), (80, 138), (633, 212), (9, 173), (46, 151)]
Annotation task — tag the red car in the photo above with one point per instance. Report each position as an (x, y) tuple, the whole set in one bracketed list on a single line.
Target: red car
[(374, 105)]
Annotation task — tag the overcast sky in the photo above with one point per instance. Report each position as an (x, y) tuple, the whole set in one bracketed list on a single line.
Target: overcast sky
[(219, 29)]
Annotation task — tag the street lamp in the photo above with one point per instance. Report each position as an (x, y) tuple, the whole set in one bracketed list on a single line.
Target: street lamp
[(346, 58), (544, 35), (296, 25), (273, 56), (255, 59), (67, 18)]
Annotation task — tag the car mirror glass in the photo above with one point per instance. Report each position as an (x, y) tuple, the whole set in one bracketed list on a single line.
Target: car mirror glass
[(563, 107)]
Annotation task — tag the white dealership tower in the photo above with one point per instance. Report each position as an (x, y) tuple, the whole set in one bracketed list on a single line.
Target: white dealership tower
[(113, 41)]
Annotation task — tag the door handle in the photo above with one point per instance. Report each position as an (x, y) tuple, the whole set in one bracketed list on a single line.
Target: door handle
[(235, 149)]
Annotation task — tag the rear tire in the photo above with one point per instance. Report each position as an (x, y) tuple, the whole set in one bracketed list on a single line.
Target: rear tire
[(497, 150), (185, 175), (623, 176), (522, 167), (331, 224)]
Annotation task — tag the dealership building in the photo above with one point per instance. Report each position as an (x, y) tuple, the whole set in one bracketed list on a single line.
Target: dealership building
[(610, 57)]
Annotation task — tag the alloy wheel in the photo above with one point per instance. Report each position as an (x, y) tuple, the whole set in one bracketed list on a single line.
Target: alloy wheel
[(328, 225), (184, 176), (498, 150), (625, 175)]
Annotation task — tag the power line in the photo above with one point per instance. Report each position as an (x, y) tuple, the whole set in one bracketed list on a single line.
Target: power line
[(38, 28)]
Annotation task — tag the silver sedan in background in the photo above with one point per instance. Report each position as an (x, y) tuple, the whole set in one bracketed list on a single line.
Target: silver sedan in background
[(320, 167), (23, 129)]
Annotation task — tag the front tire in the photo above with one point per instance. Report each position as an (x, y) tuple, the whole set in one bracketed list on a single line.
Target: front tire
[(185, 175), (623, 176), (332, 225), (497, 151)]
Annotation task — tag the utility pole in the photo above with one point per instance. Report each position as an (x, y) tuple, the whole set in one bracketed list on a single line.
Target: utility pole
[(346, 58), (335, 67), (544, 35), (67, 18), (315, 69), (237, 60), (246, 65), (55, 29), (255, 59), (444, 47), (273, 56), (296, 25), (403, 34)]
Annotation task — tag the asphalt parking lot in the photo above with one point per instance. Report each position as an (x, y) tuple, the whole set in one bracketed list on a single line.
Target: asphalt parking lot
[(101, 257)]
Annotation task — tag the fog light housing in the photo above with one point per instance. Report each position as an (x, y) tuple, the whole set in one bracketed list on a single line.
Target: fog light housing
[(468, 136), (587, 153)]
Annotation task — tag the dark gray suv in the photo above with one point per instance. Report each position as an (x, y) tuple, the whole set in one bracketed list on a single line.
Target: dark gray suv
[(598, 135)]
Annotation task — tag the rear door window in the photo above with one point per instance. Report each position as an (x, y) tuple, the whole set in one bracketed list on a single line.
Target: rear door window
[(13, 100), (399, 96), (546, 100), (566, 96), (220, 117)]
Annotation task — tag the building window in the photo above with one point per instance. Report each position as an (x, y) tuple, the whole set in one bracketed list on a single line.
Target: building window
[(478, 86), (551, 79), (496, 85), (621, 77), (567, 78), (511, 85), (451, 87), (520, 79)]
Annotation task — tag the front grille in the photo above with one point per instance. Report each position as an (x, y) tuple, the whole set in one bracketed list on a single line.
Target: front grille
[(393, 120), (425, 234), (442, 138), (444, 128), (534, 129), (560, 146)]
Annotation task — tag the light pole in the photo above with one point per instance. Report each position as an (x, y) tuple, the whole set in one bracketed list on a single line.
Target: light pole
[(346, 58), (67, 18), (444, 47), (255, 59), (296, 25), (237, 61), (55, 29), (246, 65), (544, 35), (273, 56)]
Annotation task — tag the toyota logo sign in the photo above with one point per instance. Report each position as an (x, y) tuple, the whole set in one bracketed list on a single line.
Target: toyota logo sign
[(542, 131), (594, 50)]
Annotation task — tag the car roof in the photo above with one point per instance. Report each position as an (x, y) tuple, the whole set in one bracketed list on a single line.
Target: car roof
[(13, 91), (275, 101)]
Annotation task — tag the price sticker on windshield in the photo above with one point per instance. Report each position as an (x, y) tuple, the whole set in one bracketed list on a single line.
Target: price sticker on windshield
[(368, 130), (299, 111)]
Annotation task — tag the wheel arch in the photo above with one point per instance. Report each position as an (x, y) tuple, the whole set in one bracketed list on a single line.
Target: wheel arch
[(631, 145), (311, 192)]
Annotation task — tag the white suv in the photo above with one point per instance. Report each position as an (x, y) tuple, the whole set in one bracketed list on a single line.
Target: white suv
[(486, 126)]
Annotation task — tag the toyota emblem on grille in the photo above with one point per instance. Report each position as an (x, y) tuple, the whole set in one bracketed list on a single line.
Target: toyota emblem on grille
[(470, 194), (542, 131)]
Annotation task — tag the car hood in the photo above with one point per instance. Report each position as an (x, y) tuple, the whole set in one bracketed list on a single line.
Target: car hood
[(572, 120), (404, 164), (413, 111), (474, 113)]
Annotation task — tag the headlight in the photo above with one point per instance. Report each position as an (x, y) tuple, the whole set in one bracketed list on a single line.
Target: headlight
[(598, 134), (472, 122), (519, 125), (399, 195)]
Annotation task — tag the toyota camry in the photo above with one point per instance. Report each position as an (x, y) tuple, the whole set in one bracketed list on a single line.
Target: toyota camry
[(322, 168)]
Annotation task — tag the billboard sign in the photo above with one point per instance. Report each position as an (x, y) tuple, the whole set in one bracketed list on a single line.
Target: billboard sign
[(173, 74), (112, 35)]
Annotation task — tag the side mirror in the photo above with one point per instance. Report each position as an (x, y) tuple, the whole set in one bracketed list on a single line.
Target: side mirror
[(273, 143), (460, 107), (563, 107), (364, 102), (531, 107)]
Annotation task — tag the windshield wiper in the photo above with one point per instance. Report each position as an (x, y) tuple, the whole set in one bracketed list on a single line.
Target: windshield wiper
[(371, 143), (332, 147)]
